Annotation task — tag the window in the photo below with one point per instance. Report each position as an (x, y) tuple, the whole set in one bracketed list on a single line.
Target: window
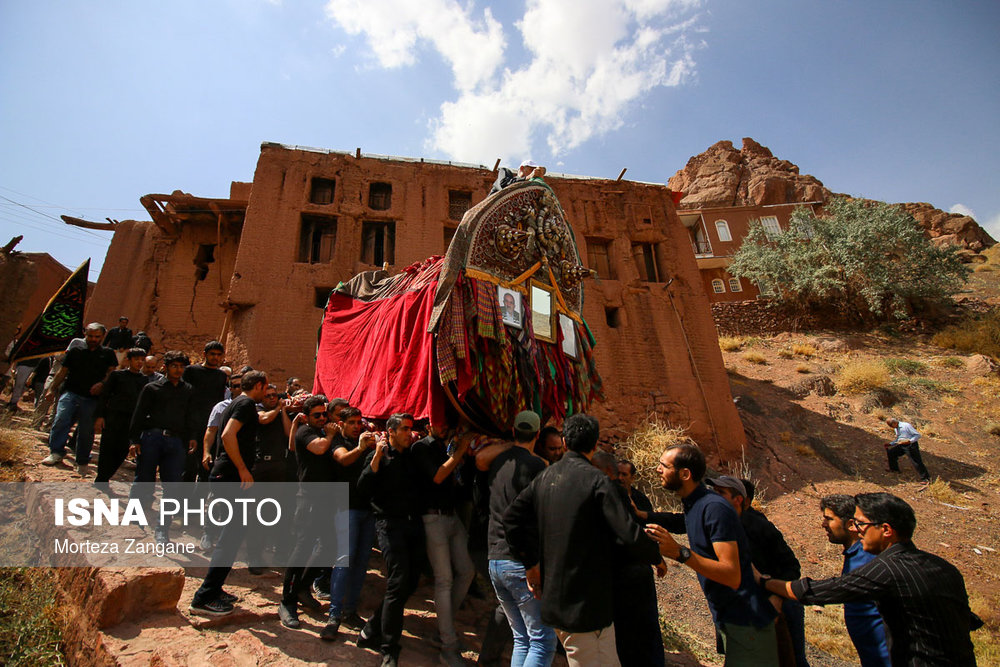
[(771, 226), (734, 285), (645, 261), (449, 234), (317, 239), (612, 317), (722, 228), (321, 191), (204, 257), (718, 286), (765, 288), (320, 296), (597, 258), (380, 196), (378, 243), (458, 203), (699, 239)]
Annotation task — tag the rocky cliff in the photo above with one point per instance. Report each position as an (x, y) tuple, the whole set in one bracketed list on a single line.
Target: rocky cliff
[(726, 176)]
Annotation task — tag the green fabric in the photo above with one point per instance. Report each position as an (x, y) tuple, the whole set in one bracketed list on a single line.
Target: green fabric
[(748, 646)]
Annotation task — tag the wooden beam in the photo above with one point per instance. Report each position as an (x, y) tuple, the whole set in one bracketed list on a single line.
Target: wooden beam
[(624, 169), (86, 224)]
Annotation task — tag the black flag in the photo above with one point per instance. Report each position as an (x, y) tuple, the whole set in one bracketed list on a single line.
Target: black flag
[(59, 323)]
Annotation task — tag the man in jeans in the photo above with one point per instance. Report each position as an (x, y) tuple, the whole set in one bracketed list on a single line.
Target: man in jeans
[(510, 473), (161, 424), (350, 447), (84, 370), (563, 528), (447, 541)]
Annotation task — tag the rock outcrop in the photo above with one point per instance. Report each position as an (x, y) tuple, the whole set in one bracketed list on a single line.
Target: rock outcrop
[(751, 176)]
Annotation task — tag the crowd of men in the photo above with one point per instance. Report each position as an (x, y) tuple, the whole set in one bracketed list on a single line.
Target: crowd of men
[(549, 516)]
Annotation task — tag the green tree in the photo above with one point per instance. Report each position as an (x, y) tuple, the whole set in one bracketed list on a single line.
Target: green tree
[(869, 260)]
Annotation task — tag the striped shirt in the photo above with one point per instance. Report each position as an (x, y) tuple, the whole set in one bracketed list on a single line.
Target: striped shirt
[(922, 600)]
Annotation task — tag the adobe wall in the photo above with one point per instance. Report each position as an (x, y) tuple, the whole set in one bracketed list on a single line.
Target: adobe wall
[(150, 278), (650, 356), (49, 278), (17, 275)]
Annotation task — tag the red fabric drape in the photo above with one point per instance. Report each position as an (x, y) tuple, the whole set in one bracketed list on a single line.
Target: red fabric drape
[(379, 356)]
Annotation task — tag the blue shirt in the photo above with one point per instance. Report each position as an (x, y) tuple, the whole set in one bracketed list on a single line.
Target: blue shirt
[(905, 431), (864, 623), (708, 518)]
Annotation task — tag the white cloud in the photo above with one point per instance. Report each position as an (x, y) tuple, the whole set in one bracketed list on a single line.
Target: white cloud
[(992, 226), (588, 61), (962, 209)]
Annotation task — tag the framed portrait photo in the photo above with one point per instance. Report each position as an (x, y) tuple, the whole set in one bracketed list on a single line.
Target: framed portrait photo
[(511, 309)]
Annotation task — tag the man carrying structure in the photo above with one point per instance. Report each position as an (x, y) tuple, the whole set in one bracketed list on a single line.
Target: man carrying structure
[(921, 596)]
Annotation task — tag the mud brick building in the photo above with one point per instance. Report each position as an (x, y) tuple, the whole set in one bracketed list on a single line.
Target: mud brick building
[(255, 270)]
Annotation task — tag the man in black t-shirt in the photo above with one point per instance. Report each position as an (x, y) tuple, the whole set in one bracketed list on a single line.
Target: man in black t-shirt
[(510, 473), (239, 450), (84, 370), (209, 384), (119, 339), (269, 466), (626, 477), (114, 414)]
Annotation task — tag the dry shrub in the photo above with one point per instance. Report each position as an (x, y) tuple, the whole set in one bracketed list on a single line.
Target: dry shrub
[(978, 334), (13, 451), (643, 448), (730, 343), (990, 385), (30, 625), (986, 640), (785, 353), (949, 362), (754, 358), (804, 450), (804, 350), (803, 368), (905, 366), (942, 492), (826, 631), (857, 377)]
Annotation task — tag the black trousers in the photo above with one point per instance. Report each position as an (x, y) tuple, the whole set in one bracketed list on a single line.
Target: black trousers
[(403, 548), (114, 446), (638, 639), (229, 544), (315, 545), (913, 451), (278, 536)]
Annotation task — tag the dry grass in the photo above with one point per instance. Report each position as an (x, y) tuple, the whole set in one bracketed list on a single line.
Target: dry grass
[(949, 362), (13, 451), (680, 638), (979, 334), (990, 386), (857, 377), (803, 368), (942, 492), (754, 358), (826, 631), (905, 366), (730, 343), (785, 353), (804, 350), (644, 447), (987, 639), (804, 450), (30, 625)]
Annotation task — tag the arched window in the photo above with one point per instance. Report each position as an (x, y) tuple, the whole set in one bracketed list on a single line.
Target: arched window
[(722, 227), (719, 286), (734, 285)]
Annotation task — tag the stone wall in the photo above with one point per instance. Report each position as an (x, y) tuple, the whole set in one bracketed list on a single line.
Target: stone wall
[(762, 318)]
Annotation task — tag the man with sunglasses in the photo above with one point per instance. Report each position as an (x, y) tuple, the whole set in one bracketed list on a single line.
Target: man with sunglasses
[(921, 596)]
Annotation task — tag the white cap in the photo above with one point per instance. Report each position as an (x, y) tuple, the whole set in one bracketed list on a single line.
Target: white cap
[(530, 163)]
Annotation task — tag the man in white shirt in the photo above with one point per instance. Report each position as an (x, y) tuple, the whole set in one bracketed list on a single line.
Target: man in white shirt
[(905, 443)]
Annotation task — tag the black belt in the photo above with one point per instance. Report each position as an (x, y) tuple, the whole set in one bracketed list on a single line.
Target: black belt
[(441, 512), (164, 432)]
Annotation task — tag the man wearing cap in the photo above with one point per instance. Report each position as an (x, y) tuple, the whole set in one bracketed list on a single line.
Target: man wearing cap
[(770, 554), (720, 555), (563, 528), (511, 471), (447, 541), (528, 169)]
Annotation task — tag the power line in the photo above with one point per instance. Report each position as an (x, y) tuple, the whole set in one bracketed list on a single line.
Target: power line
[(47, 216)]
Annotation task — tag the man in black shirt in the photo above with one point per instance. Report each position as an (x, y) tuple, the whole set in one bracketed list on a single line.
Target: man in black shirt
[(562, 527), (119, 339), (160, 426), (389, 478), (209, 385), (447, 540), (550, 445), (84, 370), (313, 436), (269, 466), (626, 477), (349, 450), (510, 473), (239, 451), (921, 596), (114, 413)]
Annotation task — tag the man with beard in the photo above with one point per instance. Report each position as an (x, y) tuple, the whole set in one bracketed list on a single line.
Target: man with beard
[(720, 555), (550, 444), (350, 447)]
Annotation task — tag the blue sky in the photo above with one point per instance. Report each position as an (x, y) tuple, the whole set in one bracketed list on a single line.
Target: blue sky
[(103, 102)]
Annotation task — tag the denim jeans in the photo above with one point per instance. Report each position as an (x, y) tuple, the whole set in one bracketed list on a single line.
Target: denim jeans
[(346, 582), (534, 642), (448, 553), (71, 408)]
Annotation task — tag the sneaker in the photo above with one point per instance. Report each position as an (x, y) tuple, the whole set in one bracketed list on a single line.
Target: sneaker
[(206, 543), (352, 621), (330, 631), (308, 601), (372, 641), (52, 459), (228, 598), (389, 660), (450, 657), (289, 618), (214, 608), (83, 469), (161, 536), (319, 593)]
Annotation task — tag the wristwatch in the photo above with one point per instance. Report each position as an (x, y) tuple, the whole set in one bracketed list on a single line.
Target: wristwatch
[(684, 554)]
